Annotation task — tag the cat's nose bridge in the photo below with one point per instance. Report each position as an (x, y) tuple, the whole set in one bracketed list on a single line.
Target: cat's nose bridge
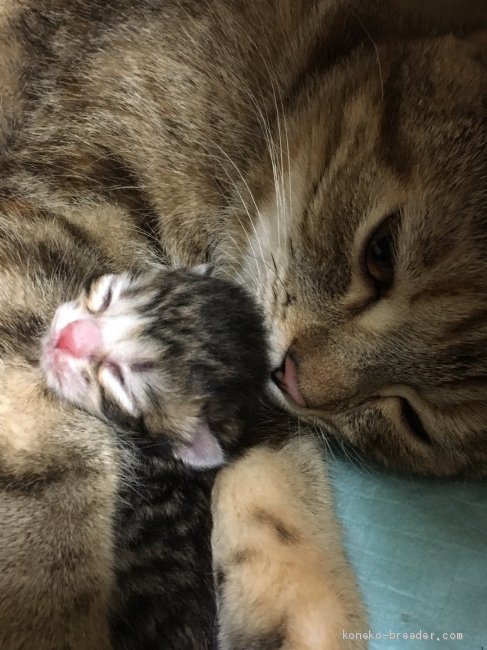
[(315, 373)]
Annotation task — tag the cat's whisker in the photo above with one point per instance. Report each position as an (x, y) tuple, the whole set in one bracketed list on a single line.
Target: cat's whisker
[(280, 187), (273, 157), (324, 439), (374, 44), (130, 485), (238, 249), (355, 458), (239, 263), (276, 273), (242, 252), (271, 147), (244, 204), (229, 256), (245, 183), (229, 276), (288, 162), (282, 207), (254, 256)]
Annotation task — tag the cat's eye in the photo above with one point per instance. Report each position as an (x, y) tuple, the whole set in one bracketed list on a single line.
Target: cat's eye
[(99, 294), (413, 422), (380, 254)]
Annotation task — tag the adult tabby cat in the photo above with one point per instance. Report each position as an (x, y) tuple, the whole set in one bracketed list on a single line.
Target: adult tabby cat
[(329, 155)]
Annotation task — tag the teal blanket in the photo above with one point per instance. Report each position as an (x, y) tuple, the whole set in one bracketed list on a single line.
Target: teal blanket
[(420, 552)]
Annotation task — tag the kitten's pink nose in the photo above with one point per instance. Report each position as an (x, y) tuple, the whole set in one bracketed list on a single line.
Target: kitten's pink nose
[(81, 338), (287, 380)]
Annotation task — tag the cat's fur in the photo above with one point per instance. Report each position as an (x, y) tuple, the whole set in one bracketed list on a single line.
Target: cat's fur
[(271, 138), (177, 136), (190, 366)]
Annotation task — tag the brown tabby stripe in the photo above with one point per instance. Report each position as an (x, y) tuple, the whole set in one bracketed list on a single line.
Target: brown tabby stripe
[(391, 144), (342, 36)]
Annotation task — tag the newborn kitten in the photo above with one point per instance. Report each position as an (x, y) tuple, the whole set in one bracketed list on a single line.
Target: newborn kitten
[(175, 361)]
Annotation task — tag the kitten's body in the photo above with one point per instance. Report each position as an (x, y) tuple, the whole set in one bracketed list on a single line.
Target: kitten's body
[(163, 595), (177, 363), (145, 128)]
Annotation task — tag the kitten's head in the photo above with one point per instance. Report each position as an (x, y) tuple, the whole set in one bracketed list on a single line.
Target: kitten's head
[(375, 254), (177, 357)]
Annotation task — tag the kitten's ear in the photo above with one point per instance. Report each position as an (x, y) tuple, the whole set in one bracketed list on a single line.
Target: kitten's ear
[(203, 269), (203, 452)]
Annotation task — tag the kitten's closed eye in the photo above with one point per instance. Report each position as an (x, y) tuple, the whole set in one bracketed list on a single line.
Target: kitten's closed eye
[(99, 294)]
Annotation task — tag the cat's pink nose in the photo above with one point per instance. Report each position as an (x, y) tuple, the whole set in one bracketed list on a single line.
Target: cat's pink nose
[(287, 380), (81, 338)]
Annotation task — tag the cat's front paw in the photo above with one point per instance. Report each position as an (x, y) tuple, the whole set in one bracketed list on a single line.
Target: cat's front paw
[(282, 580)]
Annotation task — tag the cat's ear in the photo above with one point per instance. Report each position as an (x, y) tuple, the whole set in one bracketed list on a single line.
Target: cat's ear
[(203, 452), (203, 269)]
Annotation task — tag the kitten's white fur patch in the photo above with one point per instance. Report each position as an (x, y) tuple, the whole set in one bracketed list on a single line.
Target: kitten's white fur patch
[(120, 322)]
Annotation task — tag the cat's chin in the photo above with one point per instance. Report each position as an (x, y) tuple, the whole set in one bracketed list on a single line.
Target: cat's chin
[(62, 373)]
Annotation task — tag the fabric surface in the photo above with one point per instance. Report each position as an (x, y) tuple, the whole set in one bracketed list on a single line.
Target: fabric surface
[(419, 548)]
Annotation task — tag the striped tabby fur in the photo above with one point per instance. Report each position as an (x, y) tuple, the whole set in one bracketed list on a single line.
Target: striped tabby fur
[(276, 139)]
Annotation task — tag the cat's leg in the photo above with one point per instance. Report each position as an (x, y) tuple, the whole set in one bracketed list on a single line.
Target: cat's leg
[(57, 494), (282, 578)]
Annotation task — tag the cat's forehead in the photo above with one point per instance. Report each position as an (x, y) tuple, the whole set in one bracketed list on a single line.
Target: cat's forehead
[(409, 138)]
